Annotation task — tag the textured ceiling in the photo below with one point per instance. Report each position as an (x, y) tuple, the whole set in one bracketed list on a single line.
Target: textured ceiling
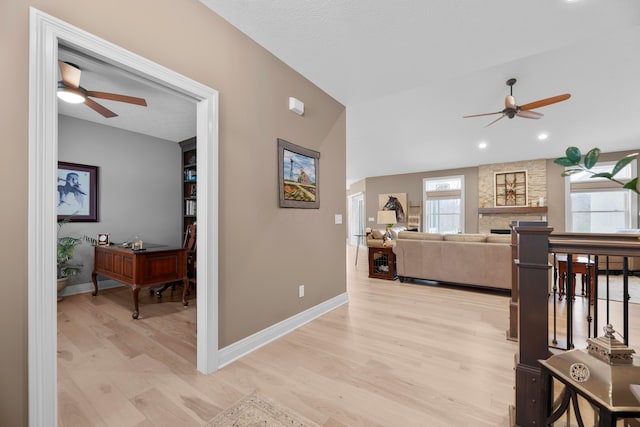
[(168, 115)]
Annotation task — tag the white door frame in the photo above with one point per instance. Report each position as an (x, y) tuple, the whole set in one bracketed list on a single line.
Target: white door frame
[(355, 222), (45, 34)]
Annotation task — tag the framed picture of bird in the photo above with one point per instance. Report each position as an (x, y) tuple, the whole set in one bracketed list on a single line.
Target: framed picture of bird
[(77, 192), (298, 176)]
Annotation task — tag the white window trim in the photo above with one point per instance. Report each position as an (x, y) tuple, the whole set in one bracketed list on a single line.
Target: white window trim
[(633, 204), (425, 207)]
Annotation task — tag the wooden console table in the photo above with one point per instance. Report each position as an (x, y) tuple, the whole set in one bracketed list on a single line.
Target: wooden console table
[(151, 266)]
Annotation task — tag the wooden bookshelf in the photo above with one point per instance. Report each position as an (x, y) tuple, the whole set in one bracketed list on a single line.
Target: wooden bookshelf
[(189, 171)]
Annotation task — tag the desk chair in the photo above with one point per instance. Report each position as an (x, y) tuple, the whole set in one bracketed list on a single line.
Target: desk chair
[(189, 243), (582, 265)]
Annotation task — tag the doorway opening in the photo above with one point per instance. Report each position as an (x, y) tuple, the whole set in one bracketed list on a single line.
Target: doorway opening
[(356, 218), (46, 34)]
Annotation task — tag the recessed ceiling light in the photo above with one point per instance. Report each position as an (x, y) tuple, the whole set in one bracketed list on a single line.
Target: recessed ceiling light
[(482, 145), (543, 136)]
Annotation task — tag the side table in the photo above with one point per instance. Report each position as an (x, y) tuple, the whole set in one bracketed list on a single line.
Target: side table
[(382, 263)]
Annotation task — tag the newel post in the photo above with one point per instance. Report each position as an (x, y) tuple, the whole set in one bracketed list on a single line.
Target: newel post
[(533, 319), (512, 332)]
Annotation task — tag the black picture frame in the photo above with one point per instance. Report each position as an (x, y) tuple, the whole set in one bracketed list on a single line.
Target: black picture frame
[(298, 176), (77, 192)]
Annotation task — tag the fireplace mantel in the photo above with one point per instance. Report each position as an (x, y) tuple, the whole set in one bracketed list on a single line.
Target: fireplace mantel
[(514, 210)]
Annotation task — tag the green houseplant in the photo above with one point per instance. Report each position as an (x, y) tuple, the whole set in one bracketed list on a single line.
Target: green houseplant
[(572, 159), (66, 248)]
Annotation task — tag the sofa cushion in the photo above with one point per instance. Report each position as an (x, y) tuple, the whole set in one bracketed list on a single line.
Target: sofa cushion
[(416, 235), (499, 238), (465, 237)]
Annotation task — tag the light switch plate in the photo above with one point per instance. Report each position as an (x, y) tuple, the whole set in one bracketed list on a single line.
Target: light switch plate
[(338, 219)]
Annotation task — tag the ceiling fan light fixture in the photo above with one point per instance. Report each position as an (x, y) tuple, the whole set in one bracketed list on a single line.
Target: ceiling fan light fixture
[(70, 95)]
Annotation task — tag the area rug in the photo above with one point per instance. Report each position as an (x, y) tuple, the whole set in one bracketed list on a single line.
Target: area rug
[(615, 288), (255, 410)]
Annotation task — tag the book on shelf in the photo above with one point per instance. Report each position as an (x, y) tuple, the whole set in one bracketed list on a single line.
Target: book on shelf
[(190, 175), (190, 207)]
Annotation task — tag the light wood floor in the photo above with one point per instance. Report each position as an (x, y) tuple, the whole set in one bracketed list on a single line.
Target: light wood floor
[(396, 355)]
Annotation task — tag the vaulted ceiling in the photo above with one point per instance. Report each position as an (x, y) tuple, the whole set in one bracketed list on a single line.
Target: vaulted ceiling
[(408, 70)]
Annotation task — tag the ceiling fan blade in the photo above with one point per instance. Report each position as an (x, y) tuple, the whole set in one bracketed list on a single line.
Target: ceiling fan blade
[(485, 114), (99, 108), (544, 102), (116, 97), (529, 114), (499, 118), (70, 75)]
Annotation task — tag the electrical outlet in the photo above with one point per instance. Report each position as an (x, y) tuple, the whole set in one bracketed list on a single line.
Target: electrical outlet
[(300, 291)]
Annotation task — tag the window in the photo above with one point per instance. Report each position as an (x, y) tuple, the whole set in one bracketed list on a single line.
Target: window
[(444, 204), (597, 205)]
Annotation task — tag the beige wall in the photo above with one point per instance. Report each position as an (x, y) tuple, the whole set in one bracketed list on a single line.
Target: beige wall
[(541, 171), (256, 237), (411, 183)]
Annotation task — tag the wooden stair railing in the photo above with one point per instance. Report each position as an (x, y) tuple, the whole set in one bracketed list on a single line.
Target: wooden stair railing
[(534, 242)]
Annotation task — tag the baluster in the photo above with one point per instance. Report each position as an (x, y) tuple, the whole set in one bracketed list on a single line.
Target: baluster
[(589, 296), (608, 297), (569, 296), (625, 299), (595, 297), (555, 299)]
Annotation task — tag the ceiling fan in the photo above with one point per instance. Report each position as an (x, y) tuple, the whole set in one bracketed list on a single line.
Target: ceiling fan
[(511, 109), (69, 90)]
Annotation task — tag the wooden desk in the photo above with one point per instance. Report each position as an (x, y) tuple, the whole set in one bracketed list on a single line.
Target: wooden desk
[(152, 266), (580, 265)]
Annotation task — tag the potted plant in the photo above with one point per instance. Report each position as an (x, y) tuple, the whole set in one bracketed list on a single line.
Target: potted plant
[(66, 249), (574, 156)]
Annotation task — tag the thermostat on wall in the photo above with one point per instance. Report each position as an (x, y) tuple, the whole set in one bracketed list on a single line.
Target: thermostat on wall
[(296, 106)]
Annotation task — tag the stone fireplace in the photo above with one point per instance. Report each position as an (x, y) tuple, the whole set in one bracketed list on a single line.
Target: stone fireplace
[(499, 218)]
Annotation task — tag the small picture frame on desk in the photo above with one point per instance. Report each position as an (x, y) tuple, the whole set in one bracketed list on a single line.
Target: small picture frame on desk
[(103, 239)]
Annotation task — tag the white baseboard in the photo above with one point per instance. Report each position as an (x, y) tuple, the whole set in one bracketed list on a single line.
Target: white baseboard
[(83, 288), (253, 342)]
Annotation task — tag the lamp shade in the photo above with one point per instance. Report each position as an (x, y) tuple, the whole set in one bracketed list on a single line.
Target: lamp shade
[(387, 217)]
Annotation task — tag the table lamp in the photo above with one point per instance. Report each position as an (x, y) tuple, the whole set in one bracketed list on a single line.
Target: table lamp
[(388, 218)]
